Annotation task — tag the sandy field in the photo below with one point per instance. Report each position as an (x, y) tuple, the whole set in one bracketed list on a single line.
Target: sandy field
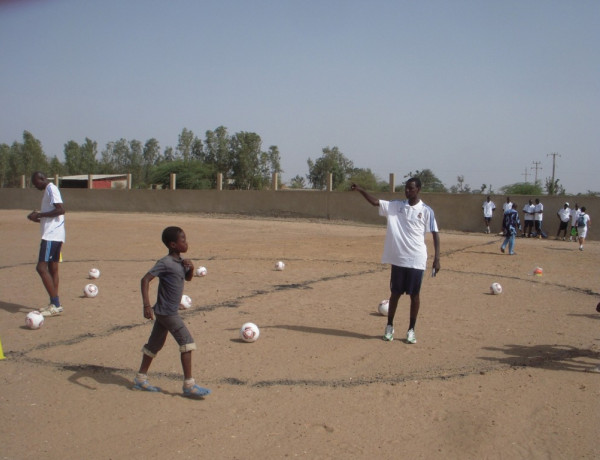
[(491, 376)]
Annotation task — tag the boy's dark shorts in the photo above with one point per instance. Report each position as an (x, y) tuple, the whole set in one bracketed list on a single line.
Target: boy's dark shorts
[(50, 251), (162, 326), (563, 225), (406, 280)]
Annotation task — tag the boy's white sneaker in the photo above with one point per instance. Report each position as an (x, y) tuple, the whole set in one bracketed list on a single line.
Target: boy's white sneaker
[(51, 310), (410, 336)]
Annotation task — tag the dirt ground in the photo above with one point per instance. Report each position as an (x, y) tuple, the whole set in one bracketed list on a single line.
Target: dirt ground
[(491, 376)]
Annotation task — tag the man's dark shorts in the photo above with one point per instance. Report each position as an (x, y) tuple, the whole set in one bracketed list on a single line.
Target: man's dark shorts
[(406, 280), (162, 326), (50, 251)]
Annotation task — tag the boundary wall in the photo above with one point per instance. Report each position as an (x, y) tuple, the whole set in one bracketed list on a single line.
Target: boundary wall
[(458, 212)]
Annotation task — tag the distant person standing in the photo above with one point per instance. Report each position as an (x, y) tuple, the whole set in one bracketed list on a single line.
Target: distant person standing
[(574, 216), (510, 225), (528, 212), (408, 221), (583, 223), (52, 225), (538, 217), (507, 206), (488, 211), (564, 216)]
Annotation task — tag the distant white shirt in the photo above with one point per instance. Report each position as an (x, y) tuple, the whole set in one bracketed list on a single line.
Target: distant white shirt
[(488, 207), (507, 206), (539, 212), (52, 228), (406, 229), (564, 214), (574, 216), (528, 211)]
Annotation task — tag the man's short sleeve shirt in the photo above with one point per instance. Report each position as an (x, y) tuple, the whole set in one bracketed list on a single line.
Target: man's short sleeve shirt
[(52, 228), (405, 237)]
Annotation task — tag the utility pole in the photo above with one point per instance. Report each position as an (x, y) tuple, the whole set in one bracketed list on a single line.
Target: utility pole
[(554, 155), (537, 166), (525, 174)]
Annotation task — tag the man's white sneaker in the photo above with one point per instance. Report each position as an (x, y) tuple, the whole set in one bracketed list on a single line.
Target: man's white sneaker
[(410, 336), (389, 333), (51, 310)]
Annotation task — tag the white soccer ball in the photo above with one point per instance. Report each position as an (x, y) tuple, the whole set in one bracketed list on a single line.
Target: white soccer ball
[(249, 332), (279, 266), (186, 302), (90, 290), (383, 307), (201, 271), (34, 320), (94, 273), (496, 288)]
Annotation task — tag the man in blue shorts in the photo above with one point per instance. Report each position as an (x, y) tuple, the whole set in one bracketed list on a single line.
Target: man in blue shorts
[(405, 250), (51, 218)]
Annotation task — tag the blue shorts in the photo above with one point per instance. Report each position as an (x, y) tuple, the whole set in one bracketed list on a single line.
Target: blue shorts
[(50, 251), (406, 280)]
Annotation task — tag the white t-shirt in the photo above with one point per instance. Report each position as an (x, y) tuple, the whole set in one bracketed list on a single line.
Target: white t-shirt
[(52, 228), (488, 207), (507, 206), (539, 212), (405, 237), (564, 214), (528, 210), (574, 216)]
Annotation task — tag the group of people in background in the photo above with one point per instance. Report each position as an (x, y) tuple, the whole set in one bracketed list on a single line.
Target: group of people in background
[(574, 221)]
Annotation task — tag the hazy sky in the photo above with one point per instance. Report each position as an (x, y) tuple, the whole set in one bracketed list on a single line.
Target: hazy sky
[(480, 88)]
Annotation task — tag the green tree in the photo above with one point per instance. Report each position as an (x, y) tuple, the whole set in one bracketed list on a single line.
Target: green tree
[(190, 175), (246, 170), (331, 162), (185, 144), (150, 157), (81, 159), (429, 181), (364, 177), (217, 151), (522, 188), (5, 172), (554, 187), (297, 182), (460, 186)]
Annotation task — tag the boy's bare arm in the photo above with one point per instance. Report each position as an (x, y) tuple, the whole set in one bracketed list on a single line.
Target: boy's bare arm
[(145, 283)]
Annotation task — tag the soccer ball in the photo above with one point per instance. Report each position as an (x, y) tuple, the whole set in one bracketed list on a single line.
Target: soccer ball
[(94, 273), (34, 320), (495, 288), (279, 266), (383, 307), (90, 290), (201, 271), (186, 302), (249, 332), (537, 271)]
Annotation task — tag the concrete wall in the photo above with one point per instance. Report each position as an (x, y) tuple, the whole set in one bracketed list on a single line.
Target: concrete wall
[(453, 212)]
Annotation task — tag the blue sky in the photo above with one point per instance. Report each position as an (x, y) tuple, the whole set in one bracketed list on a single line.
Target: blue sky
[(481, 89)]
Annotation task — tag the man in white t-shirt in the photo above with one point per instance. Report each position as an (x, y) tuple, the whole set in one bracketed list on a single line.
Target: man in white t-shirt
[(488, 210), (574, 217), (564, 216), (538, 217), (52, 225), (528, 212), (405, 250)]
